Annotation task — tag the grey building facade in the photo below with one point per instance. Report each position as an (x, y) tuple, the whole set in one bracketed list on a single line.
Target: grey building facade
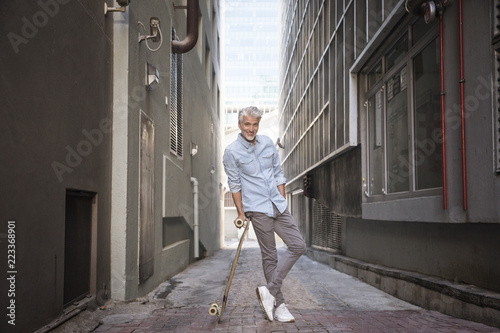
[(105, 140), (391, 135)]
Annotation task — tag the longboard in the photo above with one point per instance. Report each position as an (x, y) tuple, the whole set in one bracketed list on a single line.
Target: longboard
[(216, 309)]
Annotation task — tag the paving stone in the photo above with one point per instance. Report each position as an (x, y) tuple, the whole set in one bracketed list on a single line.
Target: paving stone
[(320, 298)]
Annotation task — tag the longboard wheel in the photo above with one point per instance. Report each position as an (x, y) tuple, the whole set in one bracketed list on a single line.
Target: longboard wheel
[(239, 223), (214, 309)]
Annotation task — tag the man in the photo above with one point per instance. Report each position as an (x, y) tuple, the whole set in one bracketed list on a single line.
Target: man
[(257, 185)]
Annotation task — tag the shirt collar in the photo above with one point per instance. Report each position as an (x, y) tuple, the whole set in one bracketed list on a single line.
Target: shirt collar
[(244, 142)]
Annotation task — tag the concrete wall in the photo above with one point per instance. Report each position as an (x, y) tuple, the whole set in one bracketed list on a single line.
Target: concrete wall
[(464, 253), (55, 135), (173, 192), (481, 98)]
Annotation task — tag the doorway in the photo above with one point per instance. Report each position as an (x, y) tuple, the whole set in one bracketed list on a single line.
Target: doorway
[(78, 250)]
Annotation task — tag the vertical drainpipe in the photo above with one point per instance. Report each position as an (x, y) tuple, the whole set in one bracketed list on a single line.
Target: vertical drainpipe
[(191, 38), (462, 111), (195, 223), (443, 136)]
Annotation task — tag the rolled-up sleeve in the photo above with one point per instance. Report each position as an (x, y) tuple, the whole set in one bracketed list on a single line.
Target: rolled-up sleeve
[(278, 172), (232, 172)]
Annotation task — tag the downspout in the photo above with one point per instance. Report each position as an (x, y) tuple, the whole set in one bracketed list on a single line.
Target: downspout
[(443, 136), (191, 38), (195, 223), (462, 112)]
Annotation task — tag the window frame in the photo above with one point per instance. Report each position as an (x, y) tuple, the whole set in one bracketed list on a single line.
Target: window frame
[(381, 85)]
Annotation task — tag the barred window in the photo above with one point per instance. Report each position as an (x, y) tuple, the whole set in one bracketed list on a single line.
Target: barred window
[(176, 102)]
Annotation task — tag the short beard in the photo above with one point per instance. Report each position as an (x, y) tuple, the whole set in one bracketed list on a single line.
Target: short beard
[(246, 139)]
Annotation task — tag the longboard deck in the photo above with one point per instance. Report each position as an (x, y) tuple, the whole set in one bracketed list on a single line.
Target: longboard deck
[(215, 309)]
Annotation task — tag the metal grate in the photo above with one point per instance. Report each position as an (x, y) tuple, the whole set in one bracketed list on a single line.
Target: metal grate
[(176, 102), (326, 228)]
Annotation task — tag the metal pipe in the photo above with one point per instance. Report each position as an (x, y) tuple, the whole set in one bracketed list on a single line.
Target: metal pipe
[(462, 111), (443, 145), (415, 7), (191, 38), (196, 237)]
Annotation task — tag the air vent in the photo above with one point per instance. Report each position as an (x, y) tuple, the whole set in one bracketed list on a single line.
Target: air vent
[(176, 102), (327, 228)]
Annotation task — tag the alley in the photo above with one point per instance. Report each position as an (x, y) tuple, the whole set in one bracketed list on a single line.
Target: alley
[(322, 300)]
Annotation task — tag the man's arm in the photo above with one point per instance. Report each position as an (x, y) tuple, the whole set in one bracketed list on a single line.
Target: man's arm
[(239, 205), (234, 182), (278, 172)]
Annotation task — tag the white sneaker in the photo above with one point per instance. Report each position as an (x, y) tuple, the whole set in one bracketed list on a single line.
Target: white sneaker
[(266, 301), (283, 315)]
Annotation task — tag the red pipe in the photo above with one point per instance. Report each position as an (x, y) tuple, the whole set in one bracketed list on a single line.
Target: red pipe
[(462, 113), (443, 146)]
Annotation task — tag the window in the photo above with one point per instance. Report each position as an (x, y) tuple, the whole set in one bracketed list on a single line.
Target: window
[(397, 133), (397, 52), (403, 119), (428, 158), (176, 102), (376, 145), (375, 75)]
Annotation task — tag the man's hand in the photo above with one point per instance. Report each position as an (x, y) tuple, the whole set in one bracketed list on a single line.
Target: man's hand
[(239, 207), (281, 189), (242, 218)]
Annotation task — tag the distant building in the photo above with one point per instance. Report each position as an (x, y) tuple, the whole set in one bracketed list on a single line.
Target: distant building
[(103, 138), (251, 61), (251, 68), (379, 172)]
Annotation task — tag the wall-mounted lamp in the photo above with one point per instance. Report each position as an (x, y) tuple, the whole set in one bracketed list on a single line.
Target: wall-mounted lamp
[(121, 3), (152, 76), (194, 148), (155, 33)]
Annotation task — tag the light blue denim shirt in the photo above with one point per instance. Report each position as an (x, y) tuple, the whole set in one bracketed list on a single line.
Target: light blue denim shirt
[(256, 172)]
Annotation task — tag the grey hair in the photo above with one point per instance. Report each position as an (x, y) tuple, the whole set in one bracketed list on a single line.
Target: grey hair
[(250, 111)]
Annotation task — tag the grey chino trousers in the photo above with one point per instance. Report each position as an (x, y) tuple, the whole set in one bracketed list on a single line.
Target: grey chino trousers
[(284, 226)]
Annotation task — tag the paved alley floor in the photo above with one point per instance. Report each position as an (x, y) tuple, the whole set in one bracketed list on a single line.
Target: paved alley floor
[(321, 299)]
